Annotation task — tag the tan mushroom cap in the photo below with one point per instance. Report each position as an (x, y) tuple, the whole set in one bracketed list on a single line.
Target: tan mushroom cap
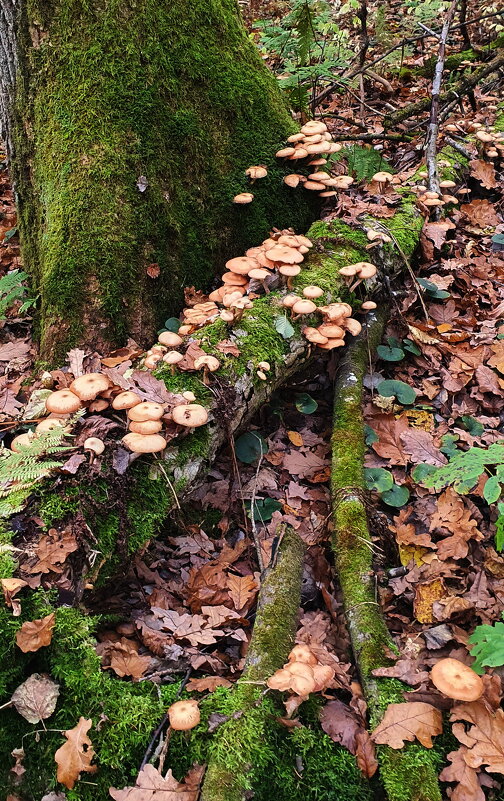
[(290, 240), (304, 307), (284, 254), (365, 269), (144, 443), (292, 180), (88, 386), (313, 127), (229, 298), (382, 177), (241, 265), (329, 193), (21, 441), (208, 362), (233, 279), (243, 198), (216, 295), (298, 668), (483, 136), (302, 653), (259, 273), (323, 676), (433, 202), (147, 427), (280, 680), (302, 685), (335, 311), (299, 137), (290, 300), (227, 316), (256, 172), (94, 444), (189, 396), (299, 153), (170, 339), (447, 184), (146, 410), (314, 186), (313, 335), (348, 271), (353, 326), (317, 147), (241, 303), (319, 176), (152, 360), (331, 331), (190, 415), (266, 366), (312, 292), (63, 401), (98, 405), (126, 400), (184, 715), (49, 424), (313, 139), (290, 270), (284, 152), (456, 680), (333, 343), (172, 357), (368, 305)]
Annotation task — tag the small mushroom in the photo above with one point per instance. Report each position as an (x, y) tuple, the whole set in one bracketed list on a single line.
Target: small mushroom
[(368, 305), (146, 427), (314, 186), (207, 363), (264, 366), (262, 375), (94, 444), (301, 653), (191, 415), (151, 361), (21, 441), (260, 274), (483, 136), (281, 680), (243, 198), (63, 401), (241, 265), (284, 255), (256, 172), (292, 180), (303, 307), (144, 443), (89, 385), (189, 396), (303, 686), (170, 339), (146, 410), (227, 315), (173, 357), (323, 675), (382, 179), (447, 184), (49, 424), (314, 336), (233, 279), (285, 152), (126, 400), (289, 271), (313, 127), (311, 292), (333, 343), (98, 405), (353, 326), (456, 680), (184, 715), (336, 311), (299, 137), (290, 300), (331, 331)]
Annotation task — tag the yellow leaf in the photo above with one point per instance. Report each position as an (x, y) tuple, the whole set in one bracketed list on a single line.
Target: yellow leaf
[(425, 596), (295, 438)]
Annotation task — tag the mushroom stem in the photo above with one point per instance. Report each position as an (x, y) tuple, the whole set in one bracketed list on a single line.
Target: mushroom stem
[(355, 285)]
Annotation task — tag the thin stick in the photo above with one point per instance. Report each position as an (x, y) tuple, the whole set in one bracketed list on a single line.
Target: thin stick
[(257, 541)]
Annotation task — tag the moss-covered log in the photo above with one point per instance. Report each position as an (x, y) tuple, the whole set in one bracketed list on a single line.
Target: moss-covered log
[(130, 124), (409, 774)]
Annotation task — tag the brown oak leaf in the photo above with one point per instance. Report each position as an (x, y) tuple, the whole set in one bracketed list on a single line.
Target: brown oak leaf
[(207, 685), (151, 786), (52, 550), (76, 755), (468, 787), (404, 722), (365, 754), (10, 588), (484, 172), (389, 445), (35, 633), (486, 736), (241, 590)]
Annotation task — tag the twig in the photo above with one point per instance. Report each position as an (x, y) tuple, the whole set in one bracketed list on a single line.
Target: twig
[(255, 536), (458, 147), (433, 130), (466, 43)]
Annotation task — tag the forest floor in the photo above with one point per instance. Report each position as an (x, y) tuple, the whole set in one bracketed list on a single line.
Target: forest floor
[(186, 603)]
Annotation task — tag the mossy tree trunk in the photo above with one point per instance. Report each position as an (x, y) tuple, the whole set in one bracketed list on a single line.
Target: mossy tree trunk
[(129, 125)]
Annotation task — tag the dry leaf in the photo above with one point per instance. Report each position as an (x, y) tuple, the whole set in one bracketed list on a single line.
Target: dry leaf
[(484, 172), (404, 722), (151, 786), (35, 699), (419, 445), (295, 437), (75, 359), (11, 587), (241, 589), (425, 596), (480, 212), (486, 736), (126, 661), (52, 550), (365, 754), (468, 787), (228, 347), (76, 755), (207, 684), (35, 633), (340, 723), (153, 270)]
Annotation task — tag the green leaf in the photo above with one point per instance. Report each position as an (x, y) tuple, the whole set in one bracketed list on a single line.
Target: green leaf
[(10, 233), (411, 346), (250, 446), (492, 490), (263, 509), (370, 435), (305, 403), (499, 528), (389, 354), (284, 327), (397, 389), (488, 646), (464, 469), (472, 425), (498, 239), (448, 446), (379, 479), (172, 324), (397, 496), (422, 471), (432, 290)]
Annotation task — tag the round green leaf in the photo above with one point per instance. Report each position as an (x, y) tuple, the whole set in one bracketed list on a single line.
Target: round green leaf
[(389, 354), (379, 479), (263, 509), (397, 389), (397, 496), (492, 490), (172, 324), (472, 425), (422, 471), (250, 446), (412, 347), (370, 435), (305, 403)]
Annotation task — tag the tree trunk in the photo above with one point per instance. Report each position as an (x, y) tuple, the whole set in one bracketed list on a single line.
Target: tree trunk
[(129, 125)]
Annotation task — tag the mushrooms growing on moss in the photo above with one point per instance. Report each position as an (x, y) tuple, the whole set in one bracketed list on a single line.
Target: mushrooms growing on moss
[(302, 653), (283, 254), (314, 336), (184, 715), (243, 198), (21, 441), (311, 292), (146, 410), (368, 305), (170, 339), (63, 401), (89, 385), (146, 427), (260, 274), (49, 424), (241, 265), (144, 443), (207, 363), (190, 415), (456, 680), (303, 307), (289, 301), (289, 271), (256, 172), (172, 358)]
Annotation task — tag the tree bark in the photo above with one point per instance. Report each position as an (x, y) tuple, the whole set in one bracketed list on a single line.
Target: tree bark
[(129, 126)]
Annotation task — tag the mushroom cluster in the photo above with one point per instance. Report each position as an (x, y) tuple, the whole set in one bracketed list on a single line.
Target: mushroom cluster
[(302, 674), (309, 148)]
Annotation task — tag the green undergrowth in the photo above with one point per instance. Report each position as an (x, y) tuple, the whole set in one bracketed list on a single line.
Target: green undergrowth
[(193, 109)]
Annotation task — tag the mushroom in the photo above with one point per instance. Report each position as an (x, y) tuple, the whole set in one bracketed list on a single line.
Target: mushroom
[(284, 254), (329, 193), (21, 441), (285, 152), (173, 357), (190, 415), (313, 127), (49, 424), (241, 265), (233, 279), (227, 316), (63, 401), (314, 186), (243, 198), (256, 172), (301, 653), (170, 339), (311, 292), (230, 297), (331, 331), (483, 136), (209, 364), (216, 295), (280, 680), (335, 311), (262, 375), (353, 326), (89, 385), (94, 444), (189, 396), (333, 343), (185, 329), (373, 236), (151, 361), (368, 305), (302, 685), (292, 180), (260, 274), (144, 443), (348, 271), (382, 179), (298, 668), (98, 405), (184, 715), (314, 336), (146, 410), (299, 137), (303, 307), (290, 271), (456, 680), (290, 300), (323, 675), (299, 153), (264, 366), (447, 184), (126, 400), (146, 427)]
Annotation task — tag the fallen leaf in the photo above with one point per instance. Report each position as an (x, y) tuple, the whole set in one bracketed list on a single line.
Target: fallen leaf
[(425, 596), (365, 754), (486, 735), (151, 786), (153, 270), (484, 172), (419, 445), (404, 722), (34, 634), (295, 437), (406, 670), (340, 723), (126, 661), (468, 787), (241, 589), (389, 444), (75, 359), (480, 212), (207, 684), (13, 350), (76, 755), (52, 550), (35, 699), (228, 347), (497, 357), (10, 587)]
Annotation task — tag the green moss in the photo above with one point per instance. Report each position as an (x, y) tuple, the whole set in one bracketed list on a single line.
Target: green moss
[(193, 109)]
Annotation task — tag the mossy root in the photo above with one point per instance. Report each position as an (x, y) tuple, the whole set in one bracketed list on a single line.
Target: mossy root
[(409, 774), (228, 777)]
